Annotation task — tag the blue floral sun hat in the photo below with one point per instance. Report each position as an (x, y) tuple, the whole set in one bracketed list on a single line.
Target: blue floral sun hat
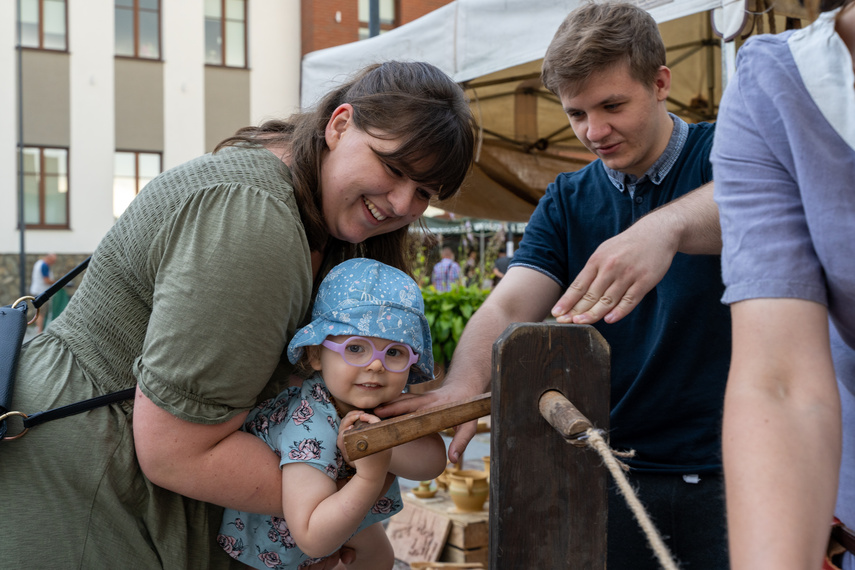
[(363, 297)]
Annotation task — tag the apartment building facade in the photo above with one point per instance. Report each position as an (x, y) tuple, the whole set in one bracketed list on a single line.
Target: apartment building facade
[(106, 94), (111, 93)]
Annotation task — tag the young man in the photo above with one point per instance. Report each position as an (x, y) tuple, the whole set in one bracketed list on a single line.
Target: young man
[(592, 254)]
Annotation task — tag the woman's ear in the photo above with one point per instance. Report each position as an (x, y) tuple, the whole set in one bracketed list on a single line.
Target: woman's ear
[(313, 354), (338, 124)]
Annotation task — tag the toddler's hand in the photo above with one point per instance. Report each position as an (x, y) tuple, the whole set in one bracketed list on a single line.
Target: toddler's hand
[(374, 466)]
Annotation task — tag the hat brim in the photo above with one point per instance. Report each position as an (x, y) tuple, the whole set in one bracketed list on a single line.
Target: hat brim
[(389, 320)]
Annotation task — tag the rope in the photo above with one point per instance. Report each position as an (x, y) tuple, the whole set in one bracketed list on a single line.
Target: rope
[(596, 441)]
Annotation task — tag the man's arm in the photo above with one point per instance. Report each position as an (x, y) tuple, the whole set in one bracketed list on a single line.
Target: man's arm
[(626, 267), (524, 295), (782, 435)]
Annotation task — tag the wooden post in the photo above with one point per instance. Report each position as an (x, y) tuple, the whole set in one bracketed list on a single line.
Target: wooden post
[(548, 498)]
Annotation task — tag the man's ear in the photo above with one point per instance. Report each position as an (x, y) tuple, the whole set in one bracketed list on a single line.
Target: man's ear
[(313, 354), (339, 122), (662, 83)]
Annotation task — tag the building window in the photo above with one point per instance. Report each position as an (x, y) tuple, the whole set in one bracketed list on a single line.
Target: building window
[(44, 24), (138, 28), (387, 17), (45, 187), (225, 32), (131, 171)]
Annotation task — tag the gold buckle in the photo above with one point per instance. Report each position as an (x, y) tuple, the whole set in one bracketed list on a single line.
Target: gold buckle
[(25, 299), (10, 414)]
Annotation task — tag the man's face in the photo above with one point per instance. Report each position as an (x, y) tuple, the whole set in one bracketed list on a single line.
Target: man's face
[(622, 121)]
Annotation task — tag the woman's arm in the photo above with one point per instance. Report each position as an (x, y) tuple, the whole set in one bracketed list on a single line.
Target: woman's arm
[(781, 435), (213, 463)]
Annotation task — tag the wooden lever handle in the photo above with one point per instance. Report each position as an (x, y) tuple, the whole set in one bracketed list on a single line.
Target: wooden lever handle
[(367, 439), (564, 417)]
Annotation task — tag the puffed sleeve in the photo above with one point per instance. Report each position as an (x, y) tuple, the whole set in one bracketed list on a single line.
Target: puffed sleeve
[(233, 281)]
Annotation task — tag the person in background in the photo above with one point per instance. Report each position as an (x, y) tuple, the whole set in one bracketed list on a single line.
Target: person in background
[(500, 267), (611, 245), (41, 280), (784, 161), (446, 272), (367, 340), (191, 298), (471, 271)]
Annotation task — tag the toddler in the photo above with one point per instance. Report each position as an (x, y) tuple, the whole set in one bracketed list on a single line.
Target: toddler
[(367, 340)]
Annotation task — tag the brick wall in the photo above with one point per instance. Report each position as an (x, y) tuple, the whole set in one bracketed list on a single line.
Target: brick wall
[(319, 28)]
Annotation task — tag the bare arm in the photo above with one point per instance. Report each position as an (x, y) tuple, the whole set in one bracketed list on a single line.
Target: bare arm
[(213, 463), (419, 460), (320, 516), (781, 436), (524, 295), (626, 267)]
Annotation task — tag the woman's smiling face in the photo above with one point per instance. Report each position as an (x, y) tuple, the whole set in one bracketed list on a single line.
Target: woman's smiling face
[(363, 195)]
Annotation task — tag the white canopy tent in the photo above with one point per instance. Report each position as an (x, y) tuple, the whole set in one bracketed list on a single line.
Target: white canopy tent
[(494, 48)]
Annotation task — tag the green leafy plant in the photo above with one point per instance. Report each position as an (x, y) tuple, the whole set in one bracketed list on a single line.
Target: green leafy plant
[(447, 314)]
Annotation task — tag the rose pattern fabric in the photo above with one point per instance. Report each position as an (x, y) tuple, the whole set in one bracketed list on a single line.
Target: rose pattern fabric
[(303, 414), (287, 425)]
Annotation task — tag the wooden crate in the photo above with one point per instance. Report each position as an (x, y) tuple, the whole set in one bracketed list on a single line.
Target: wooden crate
[(468, 533), (473, 555)]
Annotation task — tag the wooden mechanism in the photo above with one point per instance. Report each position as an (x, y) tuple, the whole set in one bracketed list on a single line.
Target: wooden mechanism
[(564, 417), (548, 499), (366, 439)]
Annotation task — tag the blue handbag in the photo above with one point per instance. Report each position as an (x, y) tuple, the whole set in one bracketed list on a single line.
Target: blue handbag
[(13, 326)]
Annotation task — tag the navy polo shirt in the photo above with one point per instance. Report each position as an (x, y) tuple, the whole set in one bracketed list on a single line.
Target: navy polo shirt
[(670, 356)]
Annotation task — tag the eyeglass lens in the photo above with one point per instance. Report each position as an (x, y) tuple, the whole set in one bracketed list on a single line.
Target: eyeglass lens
[(359, 352)]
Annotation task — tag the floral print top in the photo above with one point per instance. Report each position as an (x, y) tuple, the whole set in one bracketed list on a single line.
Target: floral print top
[(300, 425)]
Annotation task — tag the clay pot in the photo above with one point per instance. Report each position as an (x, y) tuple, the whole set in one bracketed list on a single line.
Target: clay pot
[(468, 489), (424, 491), (442, 480)]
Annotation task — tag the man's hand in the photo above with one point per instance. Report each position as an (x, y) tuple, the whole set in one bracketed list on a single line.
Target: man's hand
[(617, 276), (447, 394), (626, 267)]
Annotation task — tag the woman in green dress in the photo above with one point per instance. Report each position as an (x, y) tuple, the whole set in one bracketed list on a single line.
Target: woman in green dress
[(192, 297)]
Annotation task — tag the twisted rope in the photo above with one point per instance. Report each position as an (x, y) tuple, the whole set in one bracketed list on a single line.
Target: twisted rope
[(596, 441)]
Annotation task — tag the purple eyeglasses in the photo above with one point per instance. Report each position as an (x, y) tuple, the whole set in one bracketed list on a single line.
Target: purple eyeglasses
[(360, 351)]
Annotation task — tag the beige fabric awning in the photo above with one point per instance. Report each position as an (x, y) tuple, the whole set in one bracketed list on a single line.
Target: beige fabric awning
[(494, 49)]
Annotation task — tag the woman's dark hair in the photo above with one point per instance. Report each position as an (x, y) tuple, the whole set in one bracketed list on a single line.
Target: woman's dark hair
[(413, 102)]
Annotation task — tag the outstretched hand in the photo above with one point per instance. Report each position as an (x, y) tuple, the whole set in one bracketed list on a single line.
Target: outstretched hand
[(618, 275), (447, 394)]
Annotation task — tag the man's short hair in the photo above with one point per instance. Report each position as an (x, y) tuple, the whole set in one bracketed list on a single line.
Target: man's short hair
[(594, 37)]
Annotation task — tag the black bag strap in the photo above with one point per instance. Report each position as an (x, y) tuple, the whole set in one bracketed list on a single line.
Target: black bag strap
[(60, 283), (77, 407), (13, 324)]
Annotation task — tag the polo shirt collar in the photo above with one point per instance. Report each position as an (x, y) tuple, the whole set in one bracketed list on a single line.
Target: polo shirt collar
[(660, 169)]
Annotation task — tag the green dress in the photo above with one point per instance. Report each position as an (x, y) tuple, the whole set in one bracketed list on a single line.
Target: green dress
[(193, 295)]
